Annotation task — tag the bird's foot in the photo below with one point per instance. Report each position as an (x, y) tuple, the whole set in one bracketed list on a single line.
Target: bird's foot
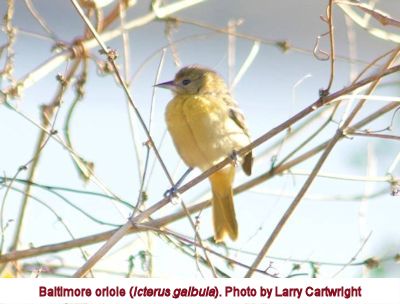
[(234, 156), (171, 192), (172, 195)]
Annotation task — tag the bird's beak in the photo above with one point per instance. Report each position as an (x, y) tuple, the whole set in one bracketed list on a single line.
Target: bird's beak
[(166, 85)]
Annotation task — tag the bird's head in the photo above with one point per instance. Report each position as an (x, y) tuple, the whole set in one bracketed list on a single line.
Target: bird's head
[(194, 80)]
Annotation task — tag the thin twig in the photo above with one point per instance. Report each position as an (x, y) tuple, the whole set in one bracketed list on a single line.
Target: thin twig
[(354, 257), (382, 136), (331, 45), (40, 20), (127, 75), (148, 144), (246, 64)]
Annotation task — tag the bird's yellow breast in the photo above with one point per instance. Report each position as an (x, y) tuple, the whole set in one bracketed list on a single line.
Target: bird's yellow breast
[(202, 131)]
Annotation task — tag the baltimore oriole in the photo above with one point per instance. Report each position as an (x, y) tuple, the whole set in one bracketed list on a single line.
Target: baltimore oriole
[(206, 126)]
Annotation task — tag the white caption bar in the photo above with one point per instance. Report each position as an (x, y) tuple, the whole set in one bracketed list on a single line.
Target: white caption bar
[(221, 291)]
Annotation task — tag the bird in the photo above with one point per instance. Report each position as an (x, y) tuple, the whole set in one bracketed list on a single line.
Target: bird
[(206, 126)]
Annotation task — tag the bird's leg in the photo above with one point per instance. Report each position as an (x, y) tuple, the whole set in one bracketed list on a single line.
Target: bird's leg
[(234, 156), (172, 191)]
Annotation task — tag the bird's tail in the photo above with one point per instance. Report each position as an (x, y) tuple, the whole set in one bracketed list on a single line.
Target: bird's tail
[(224, 218)]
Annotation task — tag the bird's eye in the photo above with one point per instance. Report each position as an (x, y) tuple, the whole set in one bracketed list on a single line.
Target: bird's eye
[(186, 81)]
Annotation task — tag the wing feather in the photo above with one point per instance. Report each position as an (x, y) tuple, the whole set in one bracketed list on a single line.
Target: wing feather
[(238, 117)]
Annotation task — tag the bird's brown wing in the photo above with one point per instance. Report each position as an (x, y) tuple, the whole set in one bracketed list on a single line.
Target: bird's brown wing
[(238, 117)]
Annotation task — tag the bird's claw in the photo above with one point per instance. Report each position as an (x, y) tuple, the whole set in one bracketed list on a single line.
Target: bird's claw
[(173, 193), (170, 192), (234, 156)]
